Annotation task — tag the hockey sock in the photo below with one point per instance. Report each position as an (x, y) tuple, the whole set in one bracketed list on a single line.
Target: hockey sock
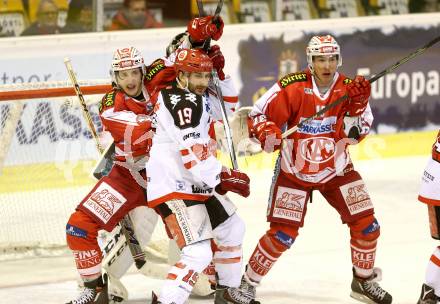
[(267, 252), (363, 255), (432, 277), (88, 263), (184, 274), (210, 273), (228, 252), (81, 234)]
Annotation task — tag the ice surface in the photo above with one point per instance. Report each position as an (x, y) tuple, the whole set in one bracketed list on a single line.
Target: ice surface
[(317, 269)]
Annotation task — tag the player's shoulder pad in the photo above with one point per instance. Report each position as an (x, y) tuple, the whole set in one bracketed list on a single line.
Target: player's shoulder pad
[(108, 100), (347, 80), (154, 68), (185, 107), (292, 78)]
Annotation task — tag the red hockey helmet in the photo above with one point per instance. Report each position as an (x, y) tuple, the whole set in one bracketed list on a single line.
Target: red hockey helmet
[(192, 60)]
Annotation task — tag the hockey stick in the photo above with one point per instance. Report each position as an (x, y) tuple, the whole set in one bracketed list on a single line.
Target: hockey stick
[(216, 82), (371, 80), (126, 223)]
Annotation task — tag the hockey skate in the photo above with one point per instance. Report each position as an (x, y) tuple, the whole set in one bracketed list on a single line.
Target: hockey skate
[(94, 292), (244, 294), (116, 290), (368, 290), (427, 296), (232, 295)]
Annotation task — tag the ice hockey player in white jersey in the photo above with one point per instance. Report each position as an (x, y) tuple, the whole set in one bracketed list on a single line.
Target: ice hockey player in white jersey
[(186, 183), (118, 258), (430, 195)]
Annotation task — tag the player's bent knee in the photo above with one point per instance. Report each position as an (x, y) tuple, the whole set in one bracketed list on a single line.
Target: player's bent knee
[(366, 229), (231, 231), (199, 255), (81, 232), (282, 235)]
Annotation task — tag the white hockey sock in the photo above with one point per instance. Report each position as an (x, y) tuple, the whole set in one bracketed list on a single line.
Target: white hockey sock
[(183, 275), (228, 263), (228, 256), (432, 277)]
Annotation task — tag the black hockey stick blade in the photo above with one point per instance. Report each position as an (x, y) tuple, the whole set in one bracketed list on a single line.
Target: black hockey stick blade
[(372, 79)]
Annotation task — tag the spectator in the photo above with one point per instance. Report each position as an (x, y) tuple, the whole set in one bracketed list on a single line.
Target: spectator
[(423, 6), (133, 15), (47, 20), (79, 17)]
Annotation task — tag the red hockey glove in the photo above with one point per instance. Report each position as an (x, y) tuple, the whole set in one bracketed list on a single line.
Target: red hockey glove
[(358, 92), (233, 180), (269, 135), (142, 135), (200, 29), (218, 60)]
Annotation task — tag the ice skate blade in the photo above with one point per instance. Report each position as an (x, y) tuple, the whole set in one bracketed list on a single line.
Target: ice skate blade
[(361, 298)]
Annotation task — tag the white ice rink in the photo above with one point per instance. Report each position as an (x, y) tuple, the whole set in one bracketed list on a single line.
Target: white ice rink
[(317, 269)]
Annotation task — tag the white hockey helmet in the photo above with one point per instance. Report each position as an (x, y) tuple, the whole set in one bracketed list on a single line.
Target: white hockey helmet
[(321, 46), (126, 59)]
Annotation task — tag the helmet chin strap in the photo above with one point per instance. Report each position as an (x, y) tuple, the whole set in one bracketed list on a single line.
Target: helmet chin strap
[(185, 87)]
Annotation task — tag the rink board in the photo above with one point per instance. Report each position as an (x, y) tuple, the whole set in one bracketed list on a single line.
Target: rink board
[(62, 175)]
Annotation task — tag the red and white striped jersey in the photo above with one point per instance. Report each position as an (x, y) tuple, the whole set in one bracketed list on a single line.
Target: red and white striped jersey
[(318, 150), (124, 116)]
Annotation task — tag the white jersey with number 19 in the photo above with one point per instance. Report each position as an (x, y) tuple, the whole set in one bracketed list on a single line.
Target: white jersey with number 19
[(183, 163)]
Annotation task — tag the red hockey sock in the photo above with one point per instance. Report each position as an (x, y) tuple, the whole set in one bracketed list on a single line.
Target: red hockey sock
[(267, 252), (363, 257)]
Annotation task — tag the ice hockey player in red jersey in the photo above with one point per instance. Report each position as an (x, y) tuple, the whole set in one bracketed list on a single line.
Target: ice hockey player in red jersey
[(186, 182), (316, 158), (124, 113), (430, 195)]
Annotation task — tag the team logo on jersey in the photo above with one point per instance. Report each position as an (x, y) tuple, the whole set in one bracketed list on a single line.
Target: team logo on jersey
[(104, 202), (356, 197), (180, 185), (318, 126), (317, 150), (175, 99), (347, 81), (191, 97), (107, 101), (292, 78), (193, 135), (198, 190), (289, 204), (426, 175), (308, 91), (155, 68)]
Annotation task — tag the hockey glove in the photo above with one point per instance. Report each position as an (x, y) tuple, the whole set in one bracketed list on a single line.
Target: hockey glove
[(269, 135), (233, 180), (203, 28), (218, 60), (358, 92), (142, 136)]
